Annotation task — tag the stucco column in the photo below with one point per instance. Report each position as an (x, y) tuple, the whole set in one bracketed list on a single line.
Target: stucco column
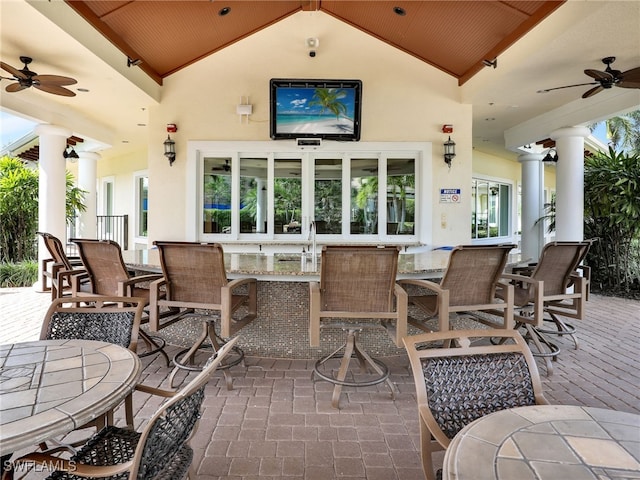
[(51, 187), (87, 168), (532, 237), (570, 182)]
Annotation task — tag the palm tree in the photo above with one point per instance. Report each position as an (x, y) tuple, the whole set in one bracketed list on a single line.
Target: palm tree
[(329, 99), (623, 131)]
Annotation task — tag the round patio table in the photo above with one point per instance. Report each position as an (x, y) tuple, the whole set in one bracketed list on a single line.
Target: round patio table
[(546, 442), (51, 387)]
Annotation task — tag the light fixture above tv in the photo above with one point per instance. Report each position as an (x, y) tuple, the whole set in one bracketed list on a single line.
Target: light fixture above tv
[(327, 109)]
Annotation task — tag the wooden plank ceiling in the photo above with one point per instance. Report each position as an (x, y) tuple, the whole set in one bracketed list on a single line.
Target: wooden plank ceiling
[(458, 37)]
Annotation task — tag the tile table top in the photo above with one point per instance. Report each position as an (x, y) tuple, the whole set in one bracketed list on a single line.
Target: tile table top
[(50, 387), (547, 442)]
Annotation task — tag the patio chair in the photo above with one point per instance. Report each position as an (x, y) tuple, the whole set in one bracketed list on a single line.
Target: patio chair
[(469, 285), (470, 379), (195, 277), (108, 319), (160, 451), (108, 275), (357, 290), (552, 286), (57, 270)]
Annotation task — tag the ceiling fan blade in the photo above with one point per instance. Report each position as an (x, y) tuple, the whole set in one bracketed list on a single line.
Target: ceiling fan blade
[(55, 89), (630, 79), (54, 80), (598, 75), (13, 71), (15, 87), (566, 86), (593, 91)]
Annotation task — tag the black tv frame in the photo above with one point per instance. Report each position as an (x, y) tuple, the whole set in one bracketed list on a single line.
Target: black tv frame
[(278, 85)]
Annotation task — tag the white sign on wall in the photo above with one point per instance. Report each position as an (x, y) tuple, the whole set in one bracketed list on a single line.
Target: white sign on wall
[(450, 195)]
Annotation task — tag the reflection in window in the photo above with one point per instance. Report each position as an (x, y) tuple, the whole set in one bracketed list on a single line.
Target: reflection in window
[(401, 182), (287, 192), (490, 209), (217, 195), (364, 196), (253, 195), (328, 196)]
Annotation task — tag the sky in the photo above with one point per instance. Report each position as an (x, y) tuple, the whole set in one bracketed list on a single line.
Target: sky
[(12, 128)]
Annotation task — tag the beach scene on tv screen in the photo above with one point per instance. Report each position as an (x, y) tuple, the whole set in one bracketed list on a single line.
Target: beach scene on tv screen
[(315, 110)]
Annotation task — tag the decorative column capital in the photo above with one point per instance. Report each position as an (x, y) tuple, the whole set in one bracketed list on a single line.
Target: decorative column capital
[(583, 132), (53, 130), (89, 155), (530, 157)]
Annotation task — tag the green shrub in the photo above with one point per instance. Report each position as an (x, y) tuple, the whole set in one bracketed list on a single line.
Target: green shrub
[(21, 274)]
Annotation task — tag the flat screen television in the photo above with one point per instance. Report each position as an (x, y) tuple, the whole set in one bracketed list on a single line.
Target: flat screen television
[(327, 109)]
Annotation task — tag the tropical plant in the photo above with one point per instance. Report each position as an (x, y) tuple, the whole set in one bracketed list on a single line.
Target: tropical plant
[(612, 215), (623, 131), (19, 209)]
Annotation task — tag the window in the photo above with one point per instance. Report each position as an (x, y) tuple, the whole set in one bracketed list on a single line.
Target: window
[(217, 195), (490, 210), (142, 202), (258, 191), (287, 193), (328, 196)]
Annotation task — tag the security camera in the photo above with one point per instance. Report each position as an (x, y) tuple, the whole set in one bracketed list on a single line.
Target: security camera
[(312, 53)]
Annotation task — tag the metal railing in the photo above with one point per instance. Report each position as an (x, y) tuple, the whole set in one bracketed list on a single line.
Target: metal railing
[(114, 227)]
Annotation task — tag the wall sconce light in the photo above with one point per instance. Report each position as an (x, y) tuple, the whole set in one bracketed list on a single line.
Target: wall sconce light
[(70, 153), (169, 144), (449, 151), (133, 62), (548, 158)]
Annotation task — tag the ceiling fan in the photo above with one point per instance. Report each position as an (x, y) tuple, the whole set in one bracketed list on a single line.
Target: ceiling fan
[(26, 78), (606, 79)]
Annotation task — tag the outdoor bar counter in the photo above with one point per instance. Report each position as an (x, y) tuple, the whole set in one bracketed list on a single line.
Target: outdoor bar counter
[(281, 327)]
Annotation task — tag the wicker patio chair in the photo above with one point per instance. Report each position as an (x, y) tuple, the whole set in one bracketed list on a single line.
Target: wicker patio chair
[(108, 275), (470, 379), (57, 270), (108, 319), (357, 283), (195, 278), (469, 285), (555, 287), (161, 451)]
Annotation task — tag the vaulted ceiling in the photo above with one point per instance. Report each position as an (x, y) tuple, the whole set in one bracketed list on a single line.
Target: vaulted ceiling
[(458, 37)]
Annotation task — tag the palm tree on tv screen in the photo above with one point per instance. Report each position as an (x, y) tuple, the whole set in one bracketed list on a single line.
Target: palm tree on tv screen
[(329, 100)]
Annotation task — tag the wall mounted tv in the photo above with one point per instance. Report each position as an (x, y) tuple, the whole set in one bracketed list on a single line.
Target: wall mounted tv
[(328, 109)]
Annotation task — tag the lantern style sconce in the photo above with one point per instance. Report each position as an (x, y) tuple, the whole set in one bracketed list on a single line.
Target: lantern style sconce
[(169, 144), (70, 153), (449, 151), (548, 158)]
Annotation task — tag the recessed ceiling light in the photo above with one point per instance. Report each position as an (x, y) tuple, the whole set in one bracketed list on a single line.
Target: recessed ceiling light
[(82, 89), (224, 11), (142, 124), (125, 141), (399, 11)]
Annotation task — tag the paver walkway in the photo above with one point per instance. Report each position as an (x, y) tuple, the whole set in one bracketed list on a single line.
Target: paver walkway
[(278, 424)]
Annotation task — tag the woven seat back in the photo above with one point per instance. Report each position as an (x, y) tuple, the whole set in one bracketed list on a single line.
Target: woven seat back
[(473, 271), (194, 272), (358, 279), (168, 433), (113, 327), (104, 264), (462, 389), (557, 262)]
